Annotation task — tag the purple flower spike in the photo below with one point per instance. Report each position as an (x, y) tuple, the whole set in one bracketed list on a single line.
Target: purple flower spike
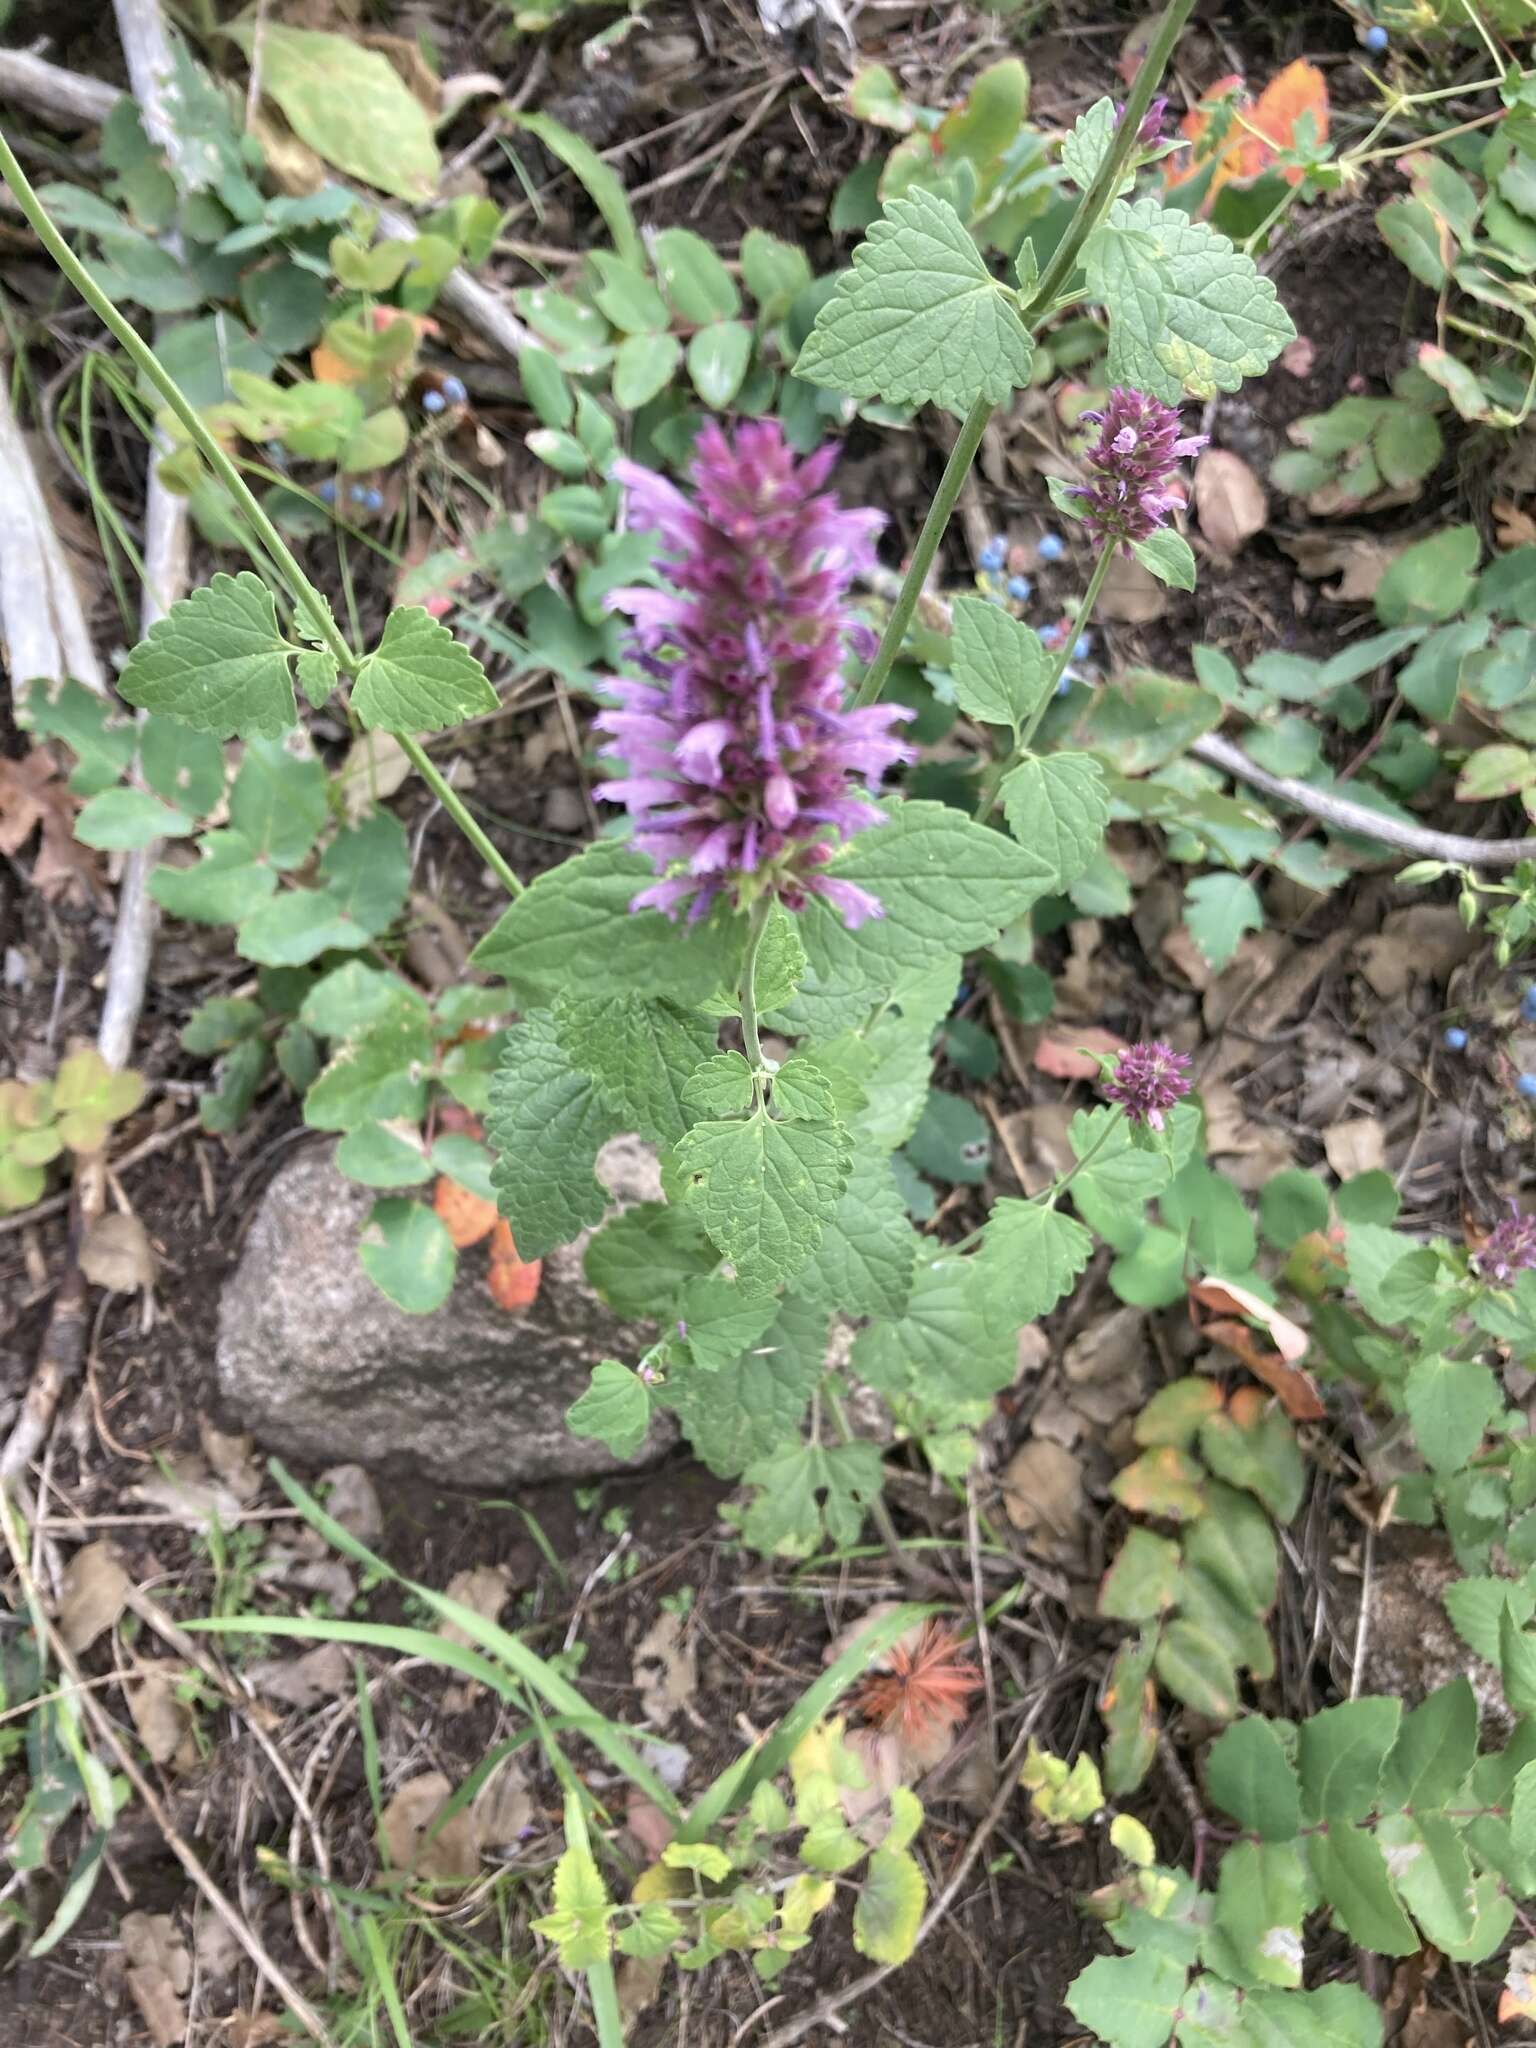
[(1150, 133), (743, 771), (1508, 1249), (1149, 1079), (1131, 467)]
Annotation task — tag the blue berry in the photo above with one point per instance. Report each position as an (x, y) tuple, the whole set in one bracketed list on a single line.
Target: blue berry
[(1020, 589), (1376, 37), (454, 391), (1455, 1038), (325, 490), (1527, 1086), (358, 494), (433, 401), (1052, 547), (995, 553), (1528, 1004), (1082, 647), (373, 501)]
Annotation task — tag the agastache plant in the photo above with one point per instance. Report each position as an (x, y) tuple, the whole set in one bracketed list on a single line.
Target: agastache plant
[(744, 771)]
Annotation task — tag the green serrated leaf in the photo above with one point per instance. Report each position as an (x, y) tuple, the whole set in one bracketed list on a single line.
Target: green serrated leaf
[(1057, 809), (946, 1349), (764, 1189), (615, 1409), (803, 1093), (1168, 556), (807, 1492), (722, 1086), (919, 318), (547, 1122), (1189, 312), (864, 1263), (889, 1908), (641, 1261), (641, 1054), (1342, 1753), (419, 678), (1129, 2001), (1030, 1256), (218, 661), (721, 1320), (748, 1408), (1450, 1402), (1218, 909), (580, 910), (999, 669), (1088, 143)]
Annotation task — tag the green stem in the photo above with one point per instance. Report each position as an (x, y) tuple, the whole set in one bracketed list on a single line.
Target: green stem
[(144, 359), (748, 991), (961, 456), (1091, 210), (1027, 731), (1105, 187), (454, 805), (1053, 1195)]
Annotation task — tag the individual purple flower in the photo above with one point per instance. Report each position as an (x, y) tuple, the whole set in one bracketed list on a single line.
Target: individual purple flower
[(743, 771), (1508, 1249), (1150, 133), (1149, 1079), (1130, 468)]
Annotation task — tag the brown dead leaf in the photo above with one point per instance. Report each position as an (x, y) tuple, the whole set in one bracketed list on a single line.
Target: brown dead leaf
[(303, 1682), (1043, 1496), (1259, 955), (647, 1823), (1424, 941), (1358, 1145), (1068, 1055), (351, 1497), (232, 1459), (502, 1809), (33, 799), (1279, 1369), (1132, 594), (1359, 561), (1514, 528), (189, 1494), (160, 1970), (95, 1593), (637, 1982), (218, 1952), (1105, 1367), (374, 769), (466, 1217), (1229, 500), (514, 1282), (163, 1721), (484, 1589), (666, 1669), (450, 1855), (116, 1253)]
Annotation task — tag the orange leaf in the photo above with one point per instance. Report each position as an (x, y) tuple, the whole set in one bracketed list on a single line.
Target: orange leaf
[(466, 1217), (514, 1282), (1069, 1055), (1245, 137), (1297, 90), (326, 367)]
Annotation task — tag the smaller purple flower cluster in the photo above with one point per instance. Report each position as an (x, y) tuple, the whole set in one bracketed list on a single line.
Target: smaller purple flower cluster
[(744, 772), (1149, 1078), (1508, 1249), (1130, 467), (1150, 133)]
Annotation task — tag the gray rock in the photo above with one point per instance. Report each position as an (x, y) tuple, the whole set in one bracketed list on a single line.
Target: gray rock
[(318, 1365)]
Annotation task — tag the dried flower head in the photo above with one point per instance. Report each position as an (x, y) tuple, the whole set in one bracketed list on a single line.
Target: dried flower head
[(1508, 1249), (926, 1688), (743, 770), (1148, 1080), (1130, 468)]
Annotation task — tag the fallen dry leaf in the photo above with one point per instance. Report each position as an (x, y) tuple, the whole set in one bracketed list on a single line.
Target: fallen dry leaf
[(33, 799), (232, 1458), (666, 1669), (1069, 1055), (1514, 528), (160, 1970), (1229, 500), (466, 1217), (1357, 559), (513, 1281), (116, 1253), (1105, 1367), (189, 1494), (1424, 941), (1356, 1146), (1132, 595), (320, 1674), (451, 1855), (218, 1952), (352, 1499), (1295, 1388), (502, 1809), (95, 1593), (374, 769), (484, 1589), (163, 1721), (647, 1823), (1043, 1496)]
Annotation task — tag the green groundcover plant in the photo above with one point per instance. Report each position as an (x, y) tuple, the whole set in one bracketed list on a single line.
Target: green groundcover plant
[(749, 974)]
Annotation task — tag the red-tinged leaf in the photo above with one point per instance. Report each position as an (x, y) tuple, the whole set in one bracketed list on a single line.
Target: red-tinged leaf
[(1070, 1055), (513, 1282), (1175, 1412), (467, 1218), (1163, 1481), (1298, 90), (1296, 1389)]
